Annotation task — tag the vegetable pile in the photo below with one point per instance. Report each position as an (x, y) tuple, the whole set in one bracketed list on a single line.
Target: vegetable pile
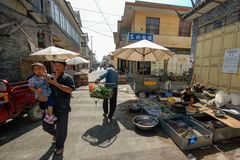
[(101, 92)]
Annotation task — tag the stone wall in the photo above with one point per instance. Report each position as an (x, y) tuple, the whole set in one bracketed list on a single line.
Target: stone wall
[(14, 47)]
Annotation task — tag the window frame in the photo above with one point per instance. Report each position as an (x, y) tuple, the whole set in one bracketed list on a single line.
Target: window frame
[(184, 29), (153, 25)]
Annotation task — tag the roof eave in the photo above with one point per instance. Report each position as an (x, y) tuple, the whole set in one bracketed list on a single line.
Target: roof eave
[(202, 8)]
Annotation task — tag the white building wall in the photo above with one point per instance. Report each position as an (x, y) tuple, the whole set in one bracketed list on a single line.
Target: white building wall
[(176, 65)]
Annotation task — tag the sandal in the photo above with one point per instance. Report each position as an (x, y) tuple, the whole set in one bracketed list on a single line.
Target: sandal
[(58, 152)]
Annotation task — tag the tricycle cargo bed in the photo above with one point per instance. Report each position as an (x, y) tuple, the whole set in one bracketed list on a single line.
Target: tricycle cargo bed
[(15, 99), (203, 137)]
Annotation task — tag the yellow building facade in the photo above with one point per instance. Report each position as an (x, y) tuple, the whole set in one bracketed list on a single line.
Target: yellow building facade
[(163, 22)]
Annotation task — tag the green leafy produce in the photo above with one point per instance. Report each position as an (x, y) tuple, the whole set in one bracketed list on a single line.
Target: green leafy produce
[(102, 92)]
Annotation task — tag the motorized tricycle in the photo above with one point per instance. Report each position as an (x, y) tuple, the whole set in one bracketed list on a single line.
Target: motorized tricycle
[(17, 99)]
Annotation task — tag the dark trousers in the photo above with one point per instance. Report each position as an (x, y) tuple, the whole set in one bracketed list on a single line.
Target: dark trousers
[(59, 129), (113, 104)]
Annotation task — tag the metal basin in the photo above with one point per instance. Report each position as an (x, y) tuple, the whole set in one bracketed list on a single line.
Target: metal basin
[(135, 107), (219, 113), (145, 122)]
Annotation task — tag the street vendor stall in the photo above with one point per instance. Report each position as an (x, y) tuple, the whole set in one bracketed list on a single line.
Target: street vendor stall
[(192, 125), (143, 51)]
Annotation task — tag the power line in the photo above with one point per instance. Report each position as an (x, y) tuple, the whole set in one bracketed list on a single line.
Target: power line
[(100, 22), (103, 15), (95, 23), (97, 32), (110, 14)]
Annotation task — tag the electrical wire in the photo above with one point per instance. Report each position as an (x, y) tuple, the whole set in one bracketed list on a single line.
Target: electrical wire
[(100, 22), (97, 32), (94, 23), (103, 15), (110, 14)]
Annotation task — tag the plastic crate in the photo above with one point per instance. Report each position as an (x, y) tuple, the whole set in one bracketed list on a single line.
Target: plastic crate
[(150, 83)]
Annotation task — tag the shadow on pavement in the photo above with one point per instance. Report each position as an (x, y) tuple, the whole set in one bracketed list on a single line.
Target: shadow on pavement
[(200, 153), (48, 153), (15, 128), (125, 118), (102, 135), (227, 147)]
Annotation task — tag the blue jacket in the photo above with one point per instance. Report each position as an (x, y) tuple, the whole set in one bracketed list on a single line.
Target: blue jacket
[(111, 76)]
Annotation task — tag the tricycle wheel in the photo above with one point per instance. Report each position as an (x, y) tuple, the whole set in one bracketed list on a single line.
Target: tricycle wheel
[(35, 113)]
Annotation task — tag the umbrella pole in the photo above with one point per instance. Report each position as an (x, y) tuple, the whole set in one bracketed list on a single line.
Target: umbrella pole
[(143, 60)]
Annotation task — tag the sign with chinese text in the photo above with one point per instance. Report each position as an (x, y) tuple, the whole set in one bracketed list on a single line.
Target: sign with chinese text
[(231, 60), (139, 36)]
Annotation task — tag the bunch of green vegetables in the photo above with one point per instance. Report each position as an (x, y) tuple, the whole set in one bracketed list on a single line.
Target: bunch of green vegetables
[(102, 92)]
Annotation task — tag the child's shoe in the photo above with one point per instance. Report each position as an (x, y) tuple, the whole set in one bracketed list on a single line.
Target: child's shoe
[(48, 120), (53, 118)]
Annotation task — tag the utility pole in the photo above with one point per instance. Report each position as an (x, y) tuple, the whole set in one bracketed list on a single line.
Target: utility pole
[(91, 43), (193, 4)]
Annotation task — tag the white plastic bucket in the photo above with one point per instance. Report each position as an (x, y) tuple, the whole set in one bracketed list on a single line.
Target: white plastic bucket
[(235, 98)]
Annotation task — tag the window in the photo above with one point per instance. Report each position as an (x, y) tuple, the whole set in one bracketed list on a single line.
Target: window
[(37, 4), (184, 28), (65, 24), (209, 28), (68, 28), (233, 17), (152, 25), (52, 8), (218, 24), (41, 5), (59, 17), (124, 32), (40, 39), (56, 14)]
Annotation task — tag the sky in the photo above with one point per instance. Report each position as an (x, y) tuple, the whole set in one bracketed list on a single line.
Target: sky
[(100, 27)]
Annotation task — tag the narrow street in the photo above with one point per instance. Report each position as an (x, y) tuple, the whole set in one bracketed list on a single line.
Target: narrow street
[(88, 136), (177, 64)]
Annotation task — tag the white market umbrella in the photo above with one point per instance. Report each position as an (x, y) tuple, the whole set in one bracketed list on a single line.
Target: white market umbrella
[(143, 50), (51, 53), (77, 60)]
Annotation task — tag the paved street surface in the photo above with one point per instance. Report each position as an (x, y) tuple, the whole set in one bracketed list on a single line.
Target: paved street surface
[(90, 138)]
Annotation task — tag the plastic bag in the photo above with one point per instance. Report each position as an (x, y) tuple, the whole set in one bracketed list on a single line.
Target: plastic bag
[(91, 87), (222, 98)]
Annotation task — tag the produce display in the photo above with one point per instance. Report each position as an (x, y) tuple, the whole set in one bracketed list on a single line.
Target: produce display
[(210, 92), (157, 110), (101, 92), (214, 124), (148, 102), (198, 87)]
